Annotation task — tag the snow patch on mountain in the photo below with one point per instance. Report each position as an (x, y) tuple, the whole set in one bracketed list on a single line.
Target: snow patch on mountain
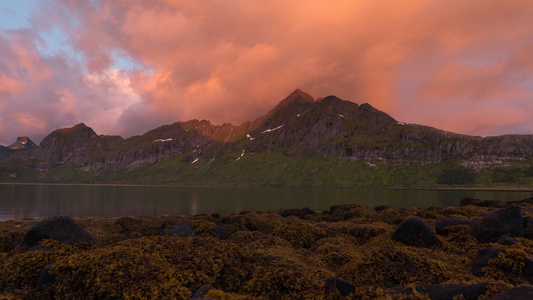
[(162, 140), (273, 129)]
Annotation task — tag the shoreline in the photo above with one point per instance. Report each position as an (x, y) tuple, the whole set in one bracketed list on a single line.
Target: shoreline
[(480, 189)]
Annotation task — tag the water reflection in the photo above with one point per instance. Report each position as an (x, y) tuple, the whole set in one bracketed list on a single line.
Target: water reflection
[(19, 201)]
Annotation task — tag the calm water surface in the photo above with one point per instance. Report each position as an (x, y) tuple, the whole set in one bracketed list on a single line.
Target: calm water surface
[(19, 201)]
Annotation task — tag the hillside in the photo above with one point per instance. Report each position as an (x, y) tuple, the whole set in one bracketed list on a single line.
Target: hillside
[(300, 142)]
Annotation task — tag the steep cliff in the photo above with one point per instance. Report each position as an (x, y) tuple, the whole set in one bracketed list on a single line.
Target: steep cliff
[(299, 126)]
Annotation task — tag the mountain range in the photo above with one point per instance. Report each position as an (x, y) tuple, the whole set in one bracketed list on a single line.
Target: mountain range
[(300, 142)]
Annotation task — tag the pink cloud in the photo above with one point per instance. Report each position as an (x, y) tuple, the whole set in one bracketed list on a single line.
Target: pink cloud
[(449, 64)]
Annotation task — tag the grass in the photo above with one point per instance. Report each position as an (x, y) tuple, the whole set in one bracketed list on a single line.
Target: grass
[(279, 169)]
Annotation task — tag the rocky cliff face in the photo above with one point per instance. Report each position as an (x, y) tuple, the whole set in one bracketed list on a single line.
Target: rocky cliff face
[(5, 152), (297, 126)]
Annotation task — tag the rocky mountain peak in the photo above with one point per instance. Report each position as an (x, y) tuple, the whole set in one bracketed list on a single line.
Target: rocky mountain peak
[(23, 143), (295, 99), (75, 128)]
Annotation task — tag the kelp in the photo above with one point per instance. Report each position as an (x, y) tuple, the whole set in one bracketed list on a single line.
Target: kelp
[(267, 255)]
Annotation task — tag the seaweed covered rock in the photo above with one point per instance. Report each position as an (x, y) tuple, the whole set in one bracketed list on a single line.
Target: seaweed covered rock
[(519, 292), (506, 240), (442, 226), (155, 267), (128, 224), (61, 228), (527, 270), (528, 227), (482, 258), (483, 203), (189, 228), (443, 291), (345, 212), (264, 222), (334, 285), (183, 229), (392, 267), (300, 213), (414, 232), (45, 278), (283, 283), (300, 235), (505, 221), (201, 292)]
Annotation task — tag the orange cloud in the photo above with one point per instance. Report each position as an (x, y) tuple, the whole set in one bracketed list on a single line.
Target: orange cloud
[(450, 64)]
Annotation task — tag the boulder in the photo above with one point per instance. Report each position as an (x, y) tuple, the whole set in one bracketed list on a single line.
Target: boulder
[(482, 258), (183, 229), (443, 225), (528, 227), (45, 278), (519, 292), (444, 291), (201, 292), (527, 269), (506, 240), (334, 284), (414, 232), (505, 221), (61, 228)]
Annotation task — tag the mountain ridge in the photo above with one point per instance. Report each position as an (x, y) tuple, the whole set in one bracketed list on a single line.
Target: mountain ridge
[(298, 129)]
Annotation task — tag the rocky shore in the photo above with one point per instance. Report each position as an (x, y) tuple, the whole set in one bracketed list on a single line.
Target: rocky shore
[(480, 250)]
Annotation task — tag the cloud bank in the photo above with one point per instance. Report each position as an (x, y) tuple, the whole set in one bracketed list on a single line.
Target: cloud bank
[(463, 66)]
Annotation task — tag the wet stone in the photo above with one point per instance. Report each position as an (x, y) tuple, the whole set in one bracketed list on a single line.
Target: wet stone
[(482, 258), (505, 221), (414, 232)]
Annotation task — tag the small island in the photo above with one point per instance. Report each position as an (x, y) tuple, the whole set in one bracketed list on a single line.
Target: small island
[(480, 249)]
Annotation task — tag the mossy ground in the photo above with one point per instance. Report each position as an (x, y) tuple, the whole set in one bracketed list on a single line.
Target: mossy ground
[(266, 256)]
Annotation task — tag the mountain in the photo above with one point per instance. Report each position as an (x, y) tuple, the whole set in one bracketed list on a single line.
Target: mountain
[(23, 143), (300, 142)]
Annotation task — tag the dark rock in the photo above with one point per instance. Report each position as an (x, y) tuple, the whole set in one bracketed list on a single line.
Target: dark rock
[(528, 227), (527, 270), (343, 287), (444, 291), (443, 225), (414, 232), (62, 228), (201, 292), (519, 292), (220, 232), (482, 258), (483, 203), (39, 247), (45, 279), (506, 240), (5, 152), (183, 229), (505, 221)]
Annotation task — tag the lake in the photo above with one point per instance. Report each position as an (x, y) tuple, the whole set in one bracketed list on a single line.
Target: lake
[(19, 201)]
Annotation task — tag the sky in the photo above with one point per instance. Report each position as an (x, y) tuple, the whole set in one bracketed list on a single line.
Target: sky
[(124, 67)]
